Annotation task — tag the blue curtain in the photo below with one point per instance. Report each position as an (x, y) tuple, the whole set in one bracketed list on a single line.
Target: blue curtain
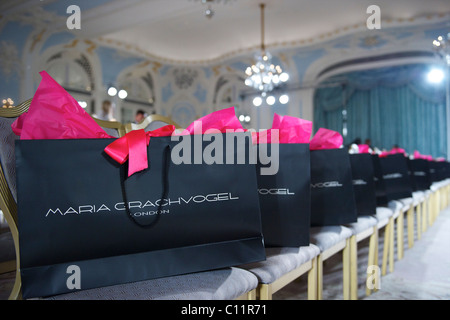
[(390, 106)]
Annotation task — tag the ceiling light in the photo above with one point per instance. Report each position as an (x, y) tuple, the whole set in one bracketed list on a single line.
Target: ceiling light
[(435, 75), (112, 91), (257, 101), (270, 100), (284, 77), (209, 13), (123, 94), (284, 99)]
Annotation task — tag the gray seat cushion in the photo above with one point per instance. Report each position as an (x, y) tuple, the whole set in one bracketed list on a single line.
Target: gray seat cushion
[(112, 132), (439, 184), (434, 186), (383, 214), (222, 284), (418, 197), (7, 155), (398, 206), (362, 224), (280, 261), (407, 202), (155, 125), (326, 237)]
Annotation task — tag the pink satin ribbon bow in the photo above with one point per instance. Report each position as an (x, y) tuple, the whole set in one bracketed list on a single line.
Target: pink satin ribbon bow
[(133, 147)]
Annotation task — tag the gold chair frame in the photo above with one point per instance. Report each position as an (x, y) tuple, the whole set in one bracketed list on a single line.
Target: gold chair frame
[(372, 234), (149, 119), (344, 247), (8, 204), (111, 125), (266, 290)]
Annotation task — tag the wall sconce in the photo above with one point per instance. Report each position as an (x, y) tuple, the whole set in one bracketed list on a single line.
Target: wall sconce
[(8, 103)]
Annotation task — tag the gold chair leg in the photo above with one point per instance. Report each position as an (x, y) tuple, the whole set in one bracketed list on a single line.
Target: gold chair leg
[(312, 280), (387, 235), (424, 215), (376, 251), (391, 247), (400, 235), (354, 268), (419, 219), (430, 210), (410, 224), (251, 295), (319, 278), (436, 206), (265, 292), (346, 269), (373, 253), (444, 198)]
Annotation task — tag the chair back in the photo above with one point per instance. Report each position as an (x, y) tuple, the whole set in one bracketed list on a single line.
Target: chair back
[(152, 122), (113, 128), (8, 194)]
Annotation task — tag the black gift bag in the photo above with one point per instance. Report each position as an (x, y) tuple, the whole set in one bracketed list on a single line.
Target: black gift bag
[(420, 174), (77, 207), (446, 174), (332, 195), (380, 188), (285, 196), (363, 183), (434, 171), (396, 178), (441, 171)]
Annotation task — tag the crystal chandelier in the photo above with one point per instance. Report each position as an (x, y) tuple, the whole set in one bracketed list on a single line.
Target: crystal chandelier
[(264, 76), (209, 12), (442, 48)]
